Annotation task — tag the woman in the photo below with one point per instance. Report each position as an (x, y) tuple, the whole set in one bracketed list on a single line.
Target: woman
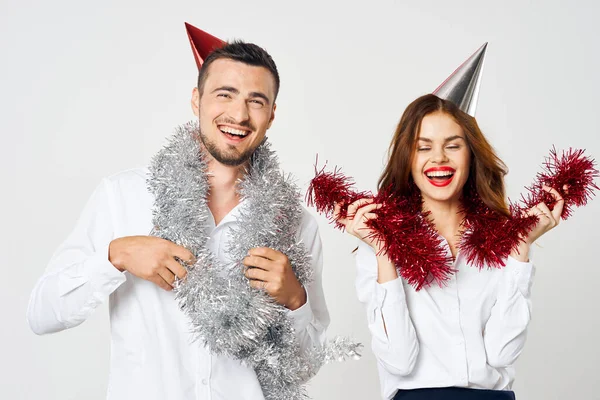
[(459, 341)]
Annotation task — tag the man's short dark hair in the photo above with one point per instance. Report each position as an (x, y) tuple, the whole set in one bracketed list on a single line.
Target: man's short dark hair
[(247, 53)]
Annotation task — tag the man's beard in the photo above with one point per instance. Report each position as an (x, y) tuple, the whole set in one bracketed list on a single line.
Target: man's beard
[(230, 158)]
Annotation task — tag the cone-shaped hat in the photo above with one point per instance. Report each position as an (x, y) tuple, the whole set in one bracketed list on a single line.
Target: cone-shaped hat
[(202, 43), (462, 87)]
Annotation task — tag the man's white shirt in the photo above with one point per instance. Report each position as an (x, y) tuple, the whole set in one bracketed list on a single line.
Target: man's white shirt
[(152, 352)]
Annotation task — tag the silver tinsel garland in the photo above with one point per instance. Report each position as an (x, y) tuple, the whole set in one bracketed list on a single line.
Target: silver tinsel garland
[(228, 316)]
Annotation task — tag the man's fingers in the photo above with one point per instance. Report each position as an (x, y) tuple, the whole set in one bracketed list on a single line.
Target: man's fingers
[(167, 276), (176, 268), (267, 253), (159, 281), (258, 284), (183, 254), (257, 274), (257, 262)]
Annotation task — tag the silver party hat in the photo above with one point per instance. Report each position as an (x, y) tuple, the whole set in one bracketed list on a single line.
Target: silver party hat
[(462, 87)]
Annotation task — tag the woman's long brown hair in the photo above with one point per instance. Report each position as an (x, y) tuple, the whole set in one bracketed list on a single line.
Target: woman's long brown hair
[(487, 169)]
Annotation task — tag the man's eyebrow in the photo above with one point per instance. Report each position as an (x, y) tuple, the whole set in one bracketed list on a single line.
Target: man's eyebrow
[(227, 89)]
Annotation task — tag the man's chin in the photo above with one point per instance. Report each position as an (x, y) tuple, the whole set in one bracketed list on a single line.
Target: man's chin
[(227, 154), (229, 158)]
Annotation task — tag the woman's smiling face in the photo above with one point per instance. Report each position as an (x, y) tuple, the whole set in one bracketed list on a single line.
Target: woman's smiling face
[(442, 158)]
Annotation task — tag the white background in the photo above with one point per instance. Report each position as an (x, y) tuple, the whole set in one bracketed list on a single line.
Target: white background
[(91, 88)]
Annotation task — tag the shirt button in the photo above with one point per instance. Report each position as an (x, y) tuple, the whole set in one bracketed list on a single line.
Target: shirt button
[(204, 382)]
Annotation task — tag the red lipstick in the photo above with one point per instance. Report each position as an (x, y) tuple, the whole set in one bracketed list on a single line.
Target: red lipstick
[(440, 182)]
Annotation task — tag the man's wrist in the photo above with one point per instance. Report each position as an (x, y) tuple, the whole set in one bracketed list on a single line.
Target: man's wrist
[(113, 258), (297, 301)]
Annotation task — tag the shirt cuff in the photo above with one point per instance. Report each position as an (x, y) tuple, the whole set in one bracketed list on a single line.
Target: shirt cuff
[(302, 316), (385, 295), (103, 276), (394, 292), (521, 274)]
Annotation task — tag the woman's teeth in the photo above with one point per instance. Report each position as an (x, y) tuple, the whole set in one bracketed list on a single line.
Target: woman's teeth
[(439, 174)]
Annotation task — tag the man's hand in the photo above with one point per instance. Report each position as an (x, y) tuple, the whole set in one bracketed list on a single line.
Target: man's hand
[(271, 270), (150, 258)]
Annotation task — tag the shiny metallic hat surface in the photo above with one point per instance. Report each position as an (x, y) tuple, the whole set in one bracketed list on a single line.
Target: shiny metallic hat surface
[(462, 87)]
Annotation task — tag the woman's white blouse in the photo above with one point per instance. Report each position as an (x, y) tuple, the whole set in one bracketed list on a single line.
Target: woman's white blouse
[(467, 334)]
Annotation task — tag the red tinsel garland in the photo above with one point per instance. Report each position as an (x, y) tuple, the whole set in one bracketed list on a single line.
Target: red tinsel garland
[(488, 238), (409, 239)]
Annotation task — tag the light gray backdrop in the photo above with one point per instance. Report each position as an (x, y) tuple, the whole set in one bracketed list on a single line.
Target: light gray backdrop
[(91, 88)]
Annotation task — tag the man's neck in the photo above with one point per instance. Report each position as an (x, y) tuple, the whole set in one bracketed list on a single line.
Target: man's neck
[(223, 196)]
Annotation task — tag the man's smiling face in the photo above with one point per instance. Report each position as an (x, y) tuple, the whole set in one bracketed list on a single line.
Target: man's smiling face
[(235, 108)]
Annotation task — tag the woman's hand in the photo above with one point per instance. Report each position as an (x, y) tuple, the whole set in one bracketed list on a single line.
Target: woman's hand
[(546, 221), (359, 213), (355, 223)]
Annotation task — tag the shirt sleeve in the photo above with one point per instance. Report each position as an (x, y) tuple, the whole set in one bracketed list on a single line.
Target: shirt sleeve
[(506, 329), (394, 340), (311, 320), (79, 276)]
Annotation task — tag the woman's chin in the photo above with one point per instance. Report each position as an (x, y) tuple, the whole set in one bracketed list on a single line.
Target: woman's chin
[(440, 196)]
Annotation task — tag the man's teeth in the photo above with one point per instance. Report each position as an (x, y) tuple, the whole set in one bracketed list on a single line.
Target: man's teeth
[(233, 131), (439, 174)]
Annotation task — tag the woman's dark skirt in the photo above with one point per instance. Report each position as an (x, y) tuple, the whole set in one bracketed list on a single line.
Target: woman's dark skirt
[(454, 393)]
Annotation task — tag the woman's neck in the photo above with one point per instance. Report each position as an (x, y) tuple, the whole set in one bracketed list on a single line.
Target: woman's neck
[(447, 218)]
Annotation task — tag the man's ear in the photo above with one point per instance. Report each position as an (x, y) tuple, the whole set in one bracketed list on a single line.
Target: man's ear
[(272, 116), (195, 102)]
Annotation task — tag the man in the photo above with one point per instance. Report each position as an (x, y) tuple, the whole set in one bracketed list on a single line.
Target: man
[(110, 253)]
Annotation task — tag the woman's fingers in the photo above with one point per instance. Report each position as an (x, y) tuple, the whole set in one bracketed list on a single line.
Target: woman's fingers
[(545, 211), (364, 210), (359, 219), (336, 214), (352, 208), (558, 206)]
